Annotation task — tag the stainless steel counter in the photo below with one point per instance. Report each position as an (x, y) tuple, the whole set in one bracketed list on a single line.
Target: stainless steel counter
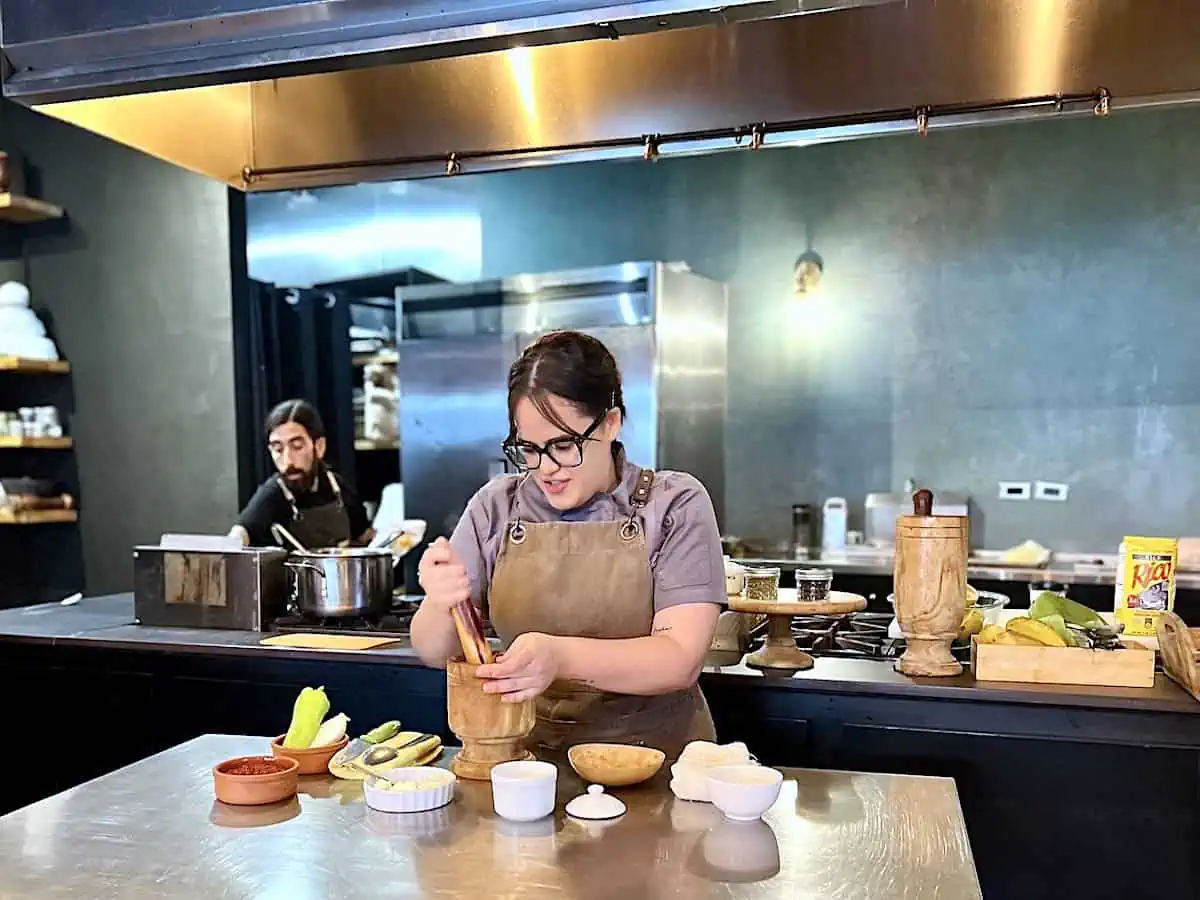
[(153, 829)]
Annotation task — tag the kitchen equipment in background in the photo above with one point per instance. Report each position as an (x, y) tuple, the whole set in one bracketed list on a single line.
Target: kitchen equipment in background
[(286, 539), (22, 333), (833, 525), (196, 584), (380, 416), (665, 325), (804, 522), (931, 587), (31, 422), (779, 651), (884, 509), (989, 604), (355, 581)]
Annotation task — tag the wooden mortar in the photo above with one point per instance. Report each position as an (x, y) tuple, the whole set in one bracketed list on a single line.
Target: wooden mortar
[(490, 730), (931, 584)]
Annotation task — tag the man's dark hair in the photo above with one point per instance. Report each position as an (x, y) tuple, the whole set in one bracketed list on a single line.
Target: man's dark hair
[(301, 412)]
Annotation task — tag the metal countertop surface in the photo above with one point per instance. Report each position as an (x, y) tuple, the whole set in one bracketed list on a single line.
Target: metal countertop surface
[(107, 622), (154, 829)]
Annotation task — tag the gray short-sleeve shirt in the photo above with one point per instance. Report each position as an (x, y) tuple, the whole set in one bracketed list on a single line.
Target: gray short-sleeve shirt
[(679, 522)]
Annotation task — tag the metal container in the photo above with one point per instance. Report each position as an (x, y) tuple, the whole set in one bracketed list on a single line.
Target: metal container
[(243, 589), (348, 582)]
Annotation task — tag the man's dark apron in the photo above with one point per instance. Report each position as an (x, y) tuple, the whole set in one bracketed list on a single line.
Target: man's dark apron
[(321, 526), (590, 579)]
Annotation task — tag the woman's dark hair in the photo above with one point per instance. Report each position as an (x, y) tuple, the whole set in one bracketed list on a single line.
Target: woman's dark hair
[(299, 411), (567, 364)]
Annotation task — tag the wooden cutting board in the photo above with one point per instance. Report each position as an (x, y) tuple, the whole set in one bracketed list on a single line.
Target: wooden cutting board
[(328, 641)]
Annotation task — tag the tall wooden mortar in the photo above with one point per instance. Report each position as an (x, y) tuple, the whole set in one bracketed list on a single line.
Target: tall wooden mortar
[(931, 586), (491, 731)]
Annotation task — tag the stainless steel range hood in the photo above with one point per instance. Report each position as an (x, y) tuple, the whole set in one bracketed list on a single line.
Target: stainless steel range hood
[(267, 94)]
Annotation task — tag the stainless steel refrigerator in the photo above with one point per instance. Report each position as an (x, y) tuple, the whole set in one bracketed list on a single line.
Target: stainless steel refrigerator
[(665, 325)]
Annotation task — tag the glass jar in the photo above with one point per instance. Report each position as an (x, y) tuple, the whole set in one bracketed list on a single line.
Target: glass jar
[(812, 585), (762, 585)]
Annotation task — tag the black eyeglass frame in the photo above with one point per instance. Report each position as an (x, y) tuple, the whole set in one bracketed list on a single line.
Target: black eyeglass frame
[(514, 449)]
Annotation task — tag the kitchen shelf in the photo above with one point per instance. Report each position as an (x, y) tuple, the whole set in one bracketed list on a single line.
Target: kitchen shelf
[(8, 442), (38, 516), (35, 366), (17, 208), (387, 358), (375, 445)]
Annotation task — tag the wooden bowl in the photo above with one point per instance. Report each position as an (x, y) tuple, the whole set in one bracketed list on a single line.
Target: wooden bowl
[(312, 760), (255, 790), (615, 765)]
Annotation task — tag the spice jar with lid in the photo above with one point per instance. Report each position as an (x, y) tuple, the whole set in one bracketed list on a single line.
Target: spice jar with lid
[(812, 585), (762, 585)]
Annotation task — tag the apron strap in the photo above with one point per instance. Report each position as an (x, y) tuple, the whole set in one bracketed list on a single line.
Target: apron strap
[(291, 498), (637, 500), (337, 488)]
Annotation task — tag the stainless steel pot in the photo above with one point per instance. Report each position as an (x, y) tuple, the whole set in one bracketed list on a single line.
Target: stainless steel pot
[(356, 581)]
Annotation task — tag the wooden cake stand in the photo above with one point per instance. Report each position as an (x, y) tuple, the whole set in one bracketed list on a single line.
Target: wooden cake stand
[(780, 650)]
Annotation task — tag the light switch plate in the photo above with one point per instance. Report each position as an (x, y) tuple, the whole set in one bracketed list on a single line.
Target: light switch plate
[(1014, 490), (1050, 490)]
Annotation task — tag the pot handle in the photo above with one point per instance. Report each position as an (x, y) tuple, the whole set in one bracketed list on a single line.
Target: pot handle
[(304, 565)]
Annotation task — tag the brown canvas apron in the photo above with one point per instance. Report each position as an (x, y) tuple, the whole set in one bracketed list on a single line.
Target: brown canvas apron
[(319, 526), (593, 580)]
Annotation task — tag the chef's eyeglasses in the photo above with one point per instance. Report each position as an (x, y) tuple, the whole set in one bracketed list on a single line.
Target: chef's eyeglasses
[(566, 452)]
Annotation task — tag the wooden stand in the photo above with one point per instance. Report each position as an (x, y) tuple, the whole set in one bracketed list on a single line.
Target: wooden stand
[(780, 650), (931, 587), (491, 731)]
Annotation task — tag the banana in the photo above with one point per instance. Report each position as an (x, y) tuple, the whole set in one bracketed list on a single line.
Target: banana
[(1013, 639), (972, 623), (1037, 631), (1060, 628), (990, 633)]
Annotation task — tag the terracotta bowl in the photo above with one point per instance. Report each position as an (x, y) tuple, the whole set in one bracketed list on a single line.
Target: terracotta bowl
[(255, 790), (615, 765), (312, 760)]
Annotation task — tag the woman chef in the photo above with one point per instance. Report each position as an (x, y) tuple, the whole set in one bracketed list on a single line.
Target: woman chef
[(603, 580)]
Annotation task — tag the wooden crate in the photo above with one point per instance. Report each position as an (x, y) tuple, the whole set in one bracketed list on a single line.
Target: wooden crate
[(1130, 667)]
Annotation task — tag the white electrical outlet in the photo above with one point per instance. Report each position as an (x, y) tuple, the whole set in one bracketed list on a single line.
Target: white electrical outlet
[(1050, 490), (1014, 490)]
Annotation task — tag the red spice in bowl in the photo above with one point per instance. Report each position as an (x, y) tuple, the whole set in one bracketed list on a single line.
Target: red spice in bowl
[(254, 780), (254, 766)]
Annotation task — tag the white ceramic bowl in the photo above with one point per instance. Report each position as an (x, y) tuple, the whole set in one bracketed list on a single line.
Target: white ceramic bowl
[(524, 790), (413, 800), (743, 793)]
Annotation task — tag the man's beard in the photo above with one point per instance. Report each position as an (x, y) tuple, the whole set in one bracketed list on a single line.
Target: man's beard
[(299, 479)]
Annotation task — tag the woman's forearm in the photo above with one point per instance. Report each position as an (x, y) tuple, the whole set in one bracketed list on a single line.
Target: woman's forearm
[(434, 637), (646, 666)]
